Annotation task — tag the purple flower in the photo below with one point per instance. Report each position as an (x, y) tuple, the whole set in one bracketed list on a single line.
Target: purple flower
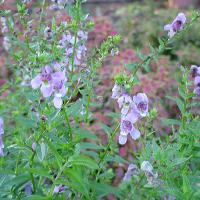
[(28, 189), (116, 91), (43, 80), (176, 25), (146, 166), (82, 35), (1, 139), (125, 102), (48, 33), (197, 81), (140, 106), (33, 146), (59, 189), (127, 127), (51, 83), (197, 91), (60, 90), (152, 178), (131, 171), (195, 70)]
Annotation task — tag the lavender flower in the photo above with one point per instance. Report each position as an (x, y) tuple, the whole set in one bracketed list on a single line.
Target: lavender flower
[(116, 91), (140, 105), (44, 80), (146, 166), (197, 86), (197, 81), (197, 91), (67, 43), (4, 28), (132, 109), (48, 33), (195, 70), (59, 88), (131, 171), (1, 139), (28, 189), (125, 102), (176, 25), (6, 43), (127, 127), (82, 35), (59, 189), (152, 178), (33, 146), (51, 83)]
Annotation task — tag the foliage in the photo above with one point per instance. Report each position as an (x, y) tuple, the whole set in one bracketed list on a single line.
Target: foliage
[(49, 152)]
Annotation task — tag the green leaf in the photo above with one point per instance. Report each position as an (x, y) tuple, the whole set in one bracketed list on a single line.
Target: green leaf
[(169, 122), (89, 145), (41, 172), (187, 189), (180, 161), (18, 181), (84, 161), (115, 158), (180, 105), (82, 134), (106, 128), (41, 151), (77, 180), (36, 197), (101, 190), (54, 151)]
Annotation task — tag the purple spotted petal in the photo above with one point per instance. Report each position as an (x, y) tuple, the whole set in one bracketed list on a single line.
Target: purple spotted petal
[(141, 104), (36, 82), (46, 90)]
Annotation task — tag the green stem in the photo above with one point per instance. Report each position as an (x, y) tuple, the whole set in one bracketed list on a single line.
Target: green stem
[(68, 123), (57, 177), (106, 150), (31, 163)]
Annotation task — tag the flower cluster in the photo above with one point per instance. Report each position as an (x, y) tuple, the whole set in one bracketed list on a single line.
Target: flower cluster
[(195, 73), (1, 139), (5, 30), (132, 109), (67, 42), (51, 82), (176, 25)]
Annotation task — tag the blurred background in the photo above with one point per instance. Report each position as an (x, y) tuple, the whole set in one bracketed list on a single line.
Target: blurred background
[(140, 23)]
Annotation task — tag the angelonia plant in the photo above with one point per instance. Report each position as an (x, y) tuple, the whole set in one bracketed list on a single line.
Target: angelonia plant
[(46, 148)]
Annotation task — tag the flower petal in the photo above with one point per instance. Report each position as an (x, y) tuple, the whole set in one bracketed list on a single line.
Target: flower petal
[(36, 82), (57, 101), (135, 134), (122, 139), (46, 90), (181, 17), (167, 27)]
